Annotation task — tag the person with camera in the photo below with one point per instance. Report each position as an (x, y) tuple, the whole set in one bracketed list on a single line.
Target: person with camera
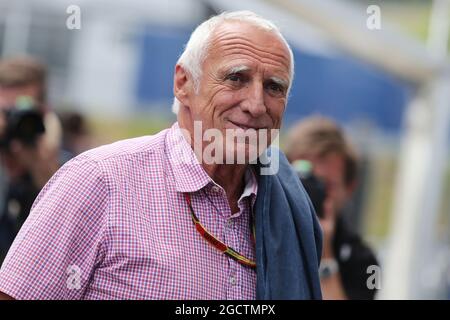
[(29, 142), (328, 166)]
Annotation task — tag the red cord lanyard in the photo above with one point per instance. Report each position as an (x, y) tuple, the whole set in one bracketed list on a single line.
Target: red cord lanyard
[(216, 243)]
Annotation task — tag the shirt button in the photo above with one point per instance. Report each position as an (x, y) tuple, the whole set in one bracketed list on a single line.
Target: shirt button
[(233, 280), (215, 189), (230, 224)]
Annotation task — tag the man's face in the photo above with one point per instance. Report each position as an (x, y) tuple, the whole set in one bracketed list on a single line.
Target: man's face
[(331, 169), (244, 82)]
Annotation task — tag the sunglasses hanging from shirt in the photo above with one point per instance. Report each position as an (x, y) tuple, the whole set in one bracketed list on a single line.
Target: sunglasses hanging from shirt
[(216, 243)]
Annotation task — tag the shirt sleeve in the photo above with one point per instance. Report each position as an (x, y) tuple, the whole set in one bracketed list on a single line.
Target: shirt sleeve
[(56, 251)]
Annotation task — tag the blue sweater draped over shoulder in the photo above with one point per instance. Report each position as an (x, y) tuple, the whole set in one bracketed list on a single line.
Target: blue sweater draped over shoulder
[(288, 235)]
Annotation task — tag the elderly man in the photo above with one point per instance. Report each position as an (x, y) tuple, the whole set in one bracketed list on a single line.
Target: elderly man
[(154, 218)]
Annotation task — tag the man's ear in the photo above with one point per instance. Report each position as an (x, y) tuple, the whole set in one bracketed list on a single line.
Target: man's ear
[(182, 85)]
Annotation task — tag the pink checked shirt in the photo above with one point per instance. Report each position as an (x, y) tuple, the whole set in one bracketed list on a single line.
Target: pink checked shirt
[(113, 223)]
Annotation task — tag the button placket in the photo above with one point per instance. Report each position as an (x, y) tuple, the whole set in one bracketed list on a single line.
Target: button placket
[(233, 280)]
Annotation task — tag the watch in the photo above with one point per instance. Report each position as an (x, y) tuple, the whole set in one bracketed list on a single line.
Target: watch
[(328, 267)]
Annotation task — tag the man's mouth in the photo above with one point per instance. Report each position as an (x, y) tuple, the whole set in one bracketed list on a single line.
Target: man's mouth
[(245, 126)]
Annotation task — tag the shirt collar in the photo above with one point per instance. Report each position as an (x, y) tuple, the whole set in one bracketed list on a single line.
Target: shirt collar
[(188, 172), (251, 185)]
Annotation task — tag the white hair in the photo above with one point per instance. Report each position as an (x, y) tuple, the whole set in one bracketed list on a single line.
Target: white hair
[(197, 47)]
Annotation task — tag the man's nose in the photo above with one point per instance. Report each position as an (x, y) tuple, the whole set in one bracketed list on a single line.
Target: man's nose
[(254, 102)]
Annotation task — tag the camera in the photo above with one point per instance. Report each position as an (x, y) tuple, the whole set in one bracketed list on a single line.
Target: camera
[(314, 186), (22, 123)]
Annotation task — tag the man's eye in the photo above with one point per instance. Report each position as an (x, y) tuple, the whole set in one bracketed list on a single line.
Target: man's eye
[(235, 77), (275, 87)]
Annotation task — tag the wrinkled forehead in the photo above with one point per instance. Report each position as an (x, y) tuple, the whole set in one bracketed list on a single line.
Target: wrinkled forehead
[(235, 40)]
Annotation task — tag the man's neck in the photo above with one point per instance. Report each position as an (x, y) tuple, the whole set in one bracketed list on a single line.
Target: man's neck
[(231, 177)]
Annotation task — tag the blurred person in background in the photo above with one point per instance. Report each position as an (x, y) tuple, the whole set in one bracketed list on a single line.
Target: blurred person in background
[(76, 135), (345, 257), (30, 137)]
